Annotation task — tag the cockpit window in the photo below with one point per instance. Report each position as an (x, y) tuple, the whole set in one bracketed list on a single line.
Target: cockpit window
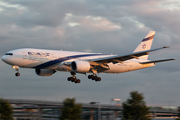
[(9, 54)]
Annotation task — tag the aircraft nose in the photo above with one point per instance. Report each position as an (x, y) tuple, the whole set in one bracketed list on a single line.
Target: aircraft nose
[(3, 58)]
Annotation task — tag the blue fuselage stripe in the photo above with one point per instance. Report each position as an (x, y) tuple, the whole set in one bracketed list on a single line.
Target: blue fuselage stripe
[(56, 61)]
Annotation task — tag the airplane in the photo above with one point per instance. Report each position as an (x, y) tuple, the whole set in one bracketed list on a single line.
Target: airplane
[(47, 62)]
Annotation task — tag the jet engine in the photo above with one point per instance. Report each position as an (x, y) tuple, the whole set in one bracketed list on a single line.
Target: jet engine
[(44, 72), (80, 66)]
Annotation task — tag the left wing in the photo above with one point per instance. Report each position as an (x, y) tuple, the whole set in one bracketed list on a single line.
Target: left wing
[(101, 63), (121, 58)]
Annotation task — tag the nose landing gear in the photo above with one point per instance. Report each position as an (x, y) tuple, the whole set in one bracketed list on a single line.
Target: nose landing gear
[(16, 69), (17, 74)]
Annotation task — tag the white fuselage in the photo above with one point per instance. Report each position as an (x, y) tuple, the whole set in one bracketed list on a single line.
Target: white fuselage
[(56, 60)]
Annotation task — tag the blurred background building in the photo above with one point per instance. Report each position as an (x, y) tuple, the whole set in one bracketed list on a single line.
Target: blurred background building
[(51, 110)]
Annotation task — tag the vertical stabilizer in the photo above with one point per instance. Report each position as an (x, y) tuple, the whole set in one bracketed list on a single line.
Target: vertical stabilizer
[(145, 44)]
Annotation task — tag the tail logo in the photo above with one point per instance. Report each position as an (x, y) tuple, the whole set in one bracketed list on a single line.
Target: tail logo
[(144, 46), (148, 38)]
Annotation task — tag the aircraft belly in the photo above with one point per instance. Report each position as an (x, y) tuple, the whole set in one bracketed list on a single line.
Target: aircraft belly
[(117, 68), (21, 62), (31, 64), (63, 68), (126, 67)]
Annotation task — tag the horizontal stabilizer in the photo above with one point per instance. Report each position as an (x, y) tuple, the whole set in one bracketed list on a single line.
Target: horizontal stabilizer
[(156, 61)]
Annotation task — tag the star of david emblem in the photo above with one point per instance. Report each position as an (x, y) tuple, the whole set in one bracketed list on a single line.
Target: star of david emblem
[(144, 46)]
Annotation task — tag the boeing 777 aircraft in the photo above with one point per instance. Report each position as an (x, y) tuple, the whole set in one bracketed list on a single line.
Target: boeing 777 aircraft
[(47, 62)]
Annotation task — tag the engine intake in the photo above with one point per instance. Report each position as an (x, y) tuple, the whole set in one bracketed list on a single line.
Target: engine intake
[(80, 66), (44, 72)]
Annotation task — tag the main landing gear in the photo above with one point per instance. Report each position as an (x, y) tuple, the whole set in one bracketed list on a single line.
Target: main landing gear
[(73, 78), (94, 77), (16, 69)]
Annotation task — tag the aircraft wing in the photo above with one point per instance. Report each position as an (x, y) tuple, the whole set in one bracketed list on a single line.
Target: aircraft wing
[(121, 58), (156, 61)]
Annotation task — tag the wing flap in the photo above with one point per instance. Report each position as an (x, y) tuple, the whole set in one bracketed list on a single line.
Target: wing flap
[(156, 61)]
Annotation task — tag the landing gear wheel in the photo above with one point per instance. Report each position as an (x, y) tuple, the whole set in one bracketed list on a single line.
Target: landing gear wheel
[(69, 78), (16, 69), (73, 78), (78, 80), (17, 74), (99, 79), (89, 77), (94, 77)]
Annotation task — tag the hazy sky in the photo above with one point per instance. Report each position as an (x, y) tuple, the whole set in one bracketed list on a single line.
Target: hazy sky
[(102, 26)]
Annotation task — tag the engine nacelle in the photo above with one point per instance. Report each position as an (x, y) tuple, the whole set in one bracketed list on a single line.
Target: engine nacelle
[(80, 66), (44, 72)]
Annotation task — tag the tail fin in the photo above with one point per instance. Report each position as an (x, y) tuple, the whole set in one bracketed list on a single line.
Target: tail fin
[(145, 44)]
